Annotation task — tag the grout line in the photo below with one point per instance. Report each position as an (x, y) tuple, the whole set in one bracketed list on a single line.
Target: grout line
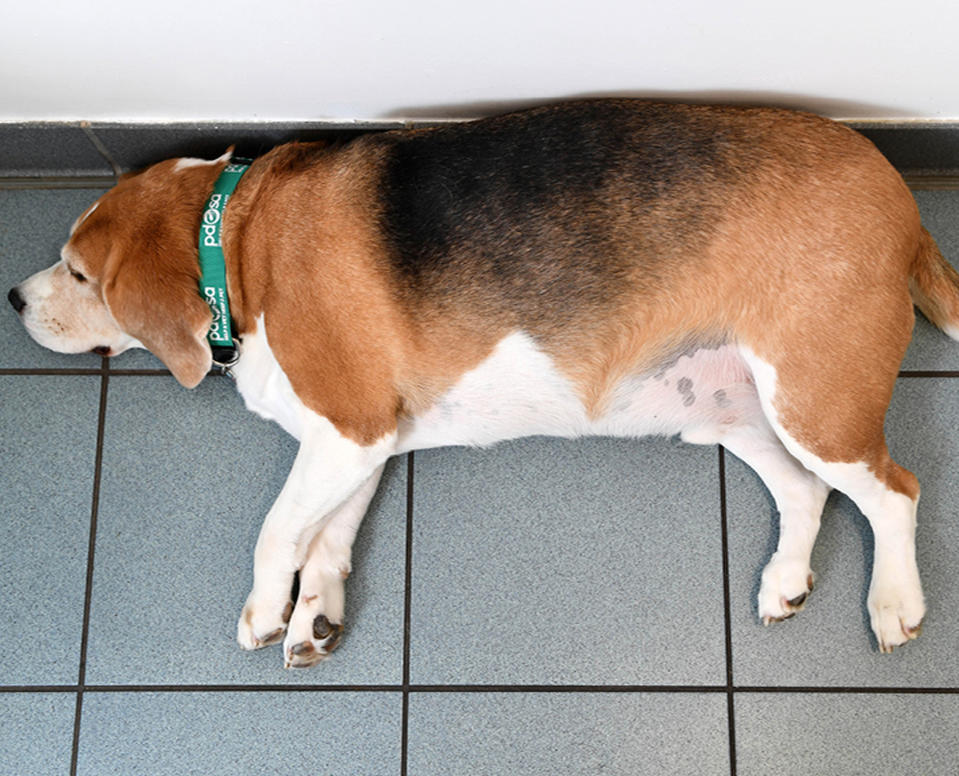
[(147, 373), (864, 690), (730, 700), (927, 373), (101, 148), (570, 688), (58, 182), (585, 689), (73, 372), (63, 372), (407, 598), (91, 547)]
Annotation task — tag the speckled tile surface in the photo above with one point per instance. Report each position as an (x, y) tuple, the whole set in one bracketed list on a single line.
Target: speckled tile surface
[(561, 562), (226, 733), (188, 478), (135, 147), (47, 463), (829, 643), (800, 734), (930, 348), (32, 150), (575, 734), (37, 733)]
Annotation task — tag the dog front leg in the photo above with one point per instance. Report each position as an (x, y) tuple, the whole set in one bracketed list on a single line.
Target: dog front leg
[(317, 623), (328, 469)]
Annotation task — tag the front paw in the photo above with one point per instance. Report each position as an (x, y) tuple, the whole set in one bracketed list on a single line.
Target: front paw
[(261, 624), (785, 586), (317, 623), (302, 650)]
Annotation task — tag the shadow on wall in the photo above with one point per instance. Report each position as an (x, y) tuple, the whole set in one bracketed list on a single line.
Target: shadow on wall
[(856, 112)]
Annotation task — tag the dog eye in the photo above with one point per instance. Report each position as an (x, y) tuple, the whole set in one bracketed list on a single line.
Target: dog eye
[(78, 275)]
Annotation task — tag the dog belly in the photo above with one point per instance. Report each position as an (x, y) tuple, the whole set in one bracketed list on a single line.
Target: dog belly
[(518, 391)]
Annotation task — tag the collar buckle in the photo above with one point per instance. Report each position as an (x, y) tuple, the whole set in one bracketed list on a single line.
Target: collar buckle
[(226, 356)]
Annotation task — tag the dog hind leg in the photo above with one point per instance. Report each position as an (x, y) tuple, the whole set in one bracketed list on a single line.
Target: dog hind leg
[(800, 496), (845, 446)]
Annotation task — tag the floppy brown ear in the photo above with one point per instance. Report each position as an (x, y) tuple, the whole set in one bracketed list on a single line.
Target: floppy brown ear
[(163, 309)]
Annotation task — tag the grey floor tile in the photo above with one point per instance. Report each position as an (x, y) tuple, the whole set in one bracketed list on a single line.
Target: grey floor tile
[(31, 150), (188, 478), (135, 147), (567, 562), (136, 358), (48, 432), (209, 734), (36, 736), (619, 734), (34, 225), (930, 348), (872, 735), (922, 149), (830, 643)]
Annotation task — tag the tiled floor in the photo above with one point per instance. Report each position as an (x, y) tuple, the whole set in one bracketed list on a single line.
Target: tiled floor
[(542, 607)]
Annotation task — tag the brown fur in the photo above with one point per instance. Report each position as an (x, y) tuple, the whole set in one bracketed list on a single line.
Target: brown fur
[(792, 236), (138, 245)]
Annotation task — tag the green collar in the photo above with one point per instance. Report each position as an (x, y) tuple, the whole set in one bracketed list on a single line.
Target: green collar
[(213, 266)]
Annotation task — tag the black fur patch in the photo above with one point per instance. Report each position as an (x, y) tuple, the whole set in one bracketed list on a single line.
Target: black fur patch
[(532, 207)]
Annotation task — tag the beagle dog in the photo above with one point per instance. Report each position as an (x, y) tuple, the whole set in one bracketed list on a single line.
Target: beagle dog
[(736, 276)]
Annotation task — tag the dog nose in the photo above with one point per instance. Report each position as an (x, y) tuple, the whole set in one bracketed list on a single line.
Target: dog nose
[(16, 300)]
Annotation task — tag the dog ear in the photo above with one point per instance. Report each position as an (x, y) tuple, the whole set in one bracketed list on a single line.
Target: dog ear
[(163, 309)]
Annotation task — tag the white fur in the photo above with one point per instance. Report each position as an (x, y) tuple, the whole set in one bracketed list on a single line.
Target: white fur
[(187, 162), (68, 316), (263, 384), (707, 395), (518, 391), (895, 602), (329, 469), (951, 330), (515, 392), (324, 563), (83, 217), (710, 395)]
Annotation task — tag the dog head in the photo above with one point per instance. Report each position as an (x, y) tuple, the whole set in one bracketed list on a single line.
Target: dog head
[(128, 275)]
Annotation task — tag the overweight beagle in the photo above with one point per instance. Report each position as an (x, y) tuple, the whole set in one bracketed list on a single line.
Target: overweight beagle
[(736, 276)]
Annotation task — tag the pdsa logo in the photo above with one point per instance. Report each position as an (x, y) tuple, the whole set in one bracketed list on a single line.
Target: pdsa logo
[(211, 220), (216, 326)]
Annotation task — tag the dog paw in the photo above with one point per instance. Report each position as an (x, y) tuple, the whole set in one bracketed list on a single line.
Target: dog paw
[(895, 616), (302, 650), (785, 586), (259, 625)]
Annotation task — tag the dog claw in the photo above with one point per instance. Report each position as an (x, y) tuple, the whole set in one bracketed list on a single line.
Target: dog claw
[(769, 620), (324, 629), (303, 655), (914, 632), (271, 638)]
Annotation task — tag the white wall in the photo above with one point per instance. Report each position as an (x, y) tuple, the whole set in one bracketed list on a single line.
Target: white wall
[(166, 60)]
